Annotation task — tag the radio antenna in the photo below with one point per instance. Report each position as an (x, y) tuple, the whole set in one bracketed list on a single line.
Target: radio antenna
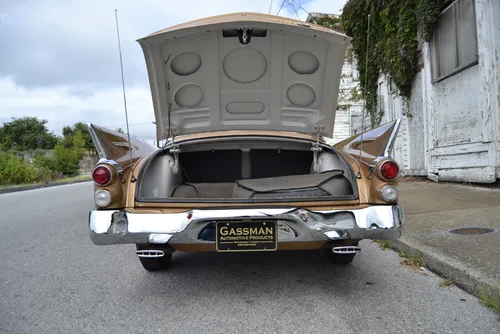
[(364, 104), (123, 87)]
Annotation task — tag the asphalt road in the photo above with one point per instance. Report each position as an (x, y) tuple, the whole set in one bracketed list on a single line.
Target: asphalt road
[(54, 280)]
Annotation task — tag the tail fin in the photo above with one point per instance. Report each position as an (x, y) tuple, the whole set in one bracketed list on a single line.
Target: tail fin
[(377, 143), (112, 145)]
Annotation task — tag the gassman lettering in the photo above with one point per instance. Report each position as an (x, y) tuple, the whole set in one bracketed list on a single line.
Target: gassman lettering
[(246, 231)]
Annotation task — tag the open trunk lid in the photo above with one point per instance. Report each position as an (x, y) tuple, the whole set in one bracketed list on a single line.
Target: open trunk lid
[(244, 71)]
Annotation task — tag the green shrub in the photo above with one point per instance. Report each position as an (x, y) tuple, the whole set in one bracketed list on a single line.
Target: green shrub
[(64, 163), (16, 171), (46, 175), (9, 163), (66, 160), (23, 173), (44, 162)]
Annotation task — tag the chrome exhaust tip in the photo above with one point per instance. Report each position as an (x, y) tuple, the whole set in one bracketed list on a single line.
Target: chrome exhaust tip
[(346, 249), (150, 253)]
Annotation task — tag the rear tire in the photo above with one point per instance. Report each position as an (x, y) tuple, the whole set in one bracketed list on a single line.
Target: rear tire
[(341, 259), (156, 264)]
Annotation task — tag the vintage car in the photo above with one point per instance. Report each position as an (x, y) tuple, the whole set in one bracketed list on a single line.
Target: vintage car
[(243, 103)]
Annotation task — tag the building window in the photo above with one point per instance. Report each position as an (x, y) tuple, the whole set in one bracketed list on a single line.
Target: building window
[(455, 40)]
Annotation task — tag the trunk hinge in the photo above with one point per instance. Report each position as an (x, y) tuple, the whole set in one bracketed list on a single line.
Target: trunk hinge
[(316, 149), (175, 150)]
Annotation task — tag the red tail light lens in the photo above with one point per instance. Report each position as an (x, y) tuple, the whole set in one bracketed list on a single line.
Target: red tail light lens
[(389, 170), (101, 175)]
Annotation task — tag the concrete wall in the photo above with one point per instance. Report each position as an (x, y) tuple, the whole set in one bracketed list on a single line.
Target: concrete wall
[(454, 134), (29, 155), (87, 164)]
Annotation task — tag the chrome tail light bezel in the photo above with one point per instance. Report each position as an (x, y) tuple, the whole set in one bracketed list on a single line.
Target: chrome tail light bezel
[(111, 177), (378, 169)]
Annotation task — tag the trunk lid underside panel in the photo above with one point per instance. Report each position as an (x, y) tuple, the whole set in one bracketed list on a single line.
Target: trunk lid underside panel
[(244, 72)]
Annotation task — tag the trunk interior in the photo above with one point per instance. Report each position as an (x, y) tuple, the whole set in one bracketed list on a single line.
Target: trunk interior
[(236, 170)]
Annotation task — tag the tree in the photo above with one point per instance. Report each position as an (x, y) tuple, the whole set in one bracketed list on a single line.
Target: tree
[(120, 130), (67, 131), (83, 129), (67, 154), (392, 47), (26, 133), (79, 143), (67, 140), (70, 131), (66, 160)]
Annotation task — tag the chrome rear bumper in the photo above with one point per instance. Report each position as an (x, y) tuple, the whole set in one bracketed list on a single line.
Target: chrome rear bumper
[(381, 222)]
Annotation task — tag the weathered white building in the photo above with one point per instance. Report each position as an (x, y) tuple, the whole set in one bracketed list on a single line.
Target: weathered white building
[(349, 113), (454, 131)]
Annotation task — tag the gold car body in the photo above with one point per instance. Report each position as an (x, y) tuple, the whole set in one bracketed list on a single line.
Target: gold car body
[(172, 224)]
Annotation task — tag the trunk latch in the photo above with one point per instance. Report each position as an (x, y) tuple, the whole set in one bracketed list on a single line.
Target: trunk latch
[(244, 35)]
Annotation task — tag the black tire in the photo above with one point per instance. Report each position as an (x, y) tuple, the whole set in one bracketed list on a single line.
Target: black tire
[(342, 259), (156, 264)]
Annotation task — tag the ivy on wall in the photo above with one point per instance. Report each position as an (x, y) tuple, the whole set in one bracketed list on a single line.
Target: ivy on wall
[(428, 14), (392, 48), (331, 22)]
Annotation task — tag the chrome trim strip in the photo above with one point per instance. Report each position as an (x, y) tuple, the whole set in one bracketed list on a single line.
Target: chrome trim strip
[(388, 147), (97, 143), (392, 138), (112, 163)]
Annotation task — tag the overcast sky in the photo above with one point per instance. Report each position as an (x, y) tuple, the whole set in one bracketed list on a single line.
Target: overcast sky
[(59, 59)]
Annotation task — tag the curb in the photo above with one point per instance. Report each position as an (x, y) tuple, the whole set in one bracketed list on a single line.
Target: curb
[(39, 186), (461, 274)]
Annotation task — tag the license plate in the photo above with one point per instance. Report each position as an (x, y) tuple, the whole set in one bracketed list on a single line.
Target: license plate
[(246, 236)]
